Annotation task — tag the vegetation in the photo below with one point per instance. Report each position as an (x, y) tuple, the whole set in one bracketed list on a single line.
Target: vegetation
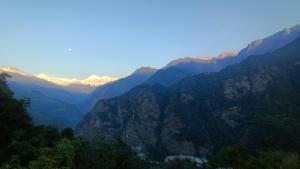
[(25, 146), (238, 157)]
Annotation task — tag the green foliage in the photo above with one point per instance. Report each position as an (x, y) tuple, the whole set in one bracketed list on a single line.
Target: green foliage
[(11, 165), (238, 157), (108, 154), (15, 122), (61, 156), (4, 90), (235, 156), (67, 133), (24, 146), (181, 165)]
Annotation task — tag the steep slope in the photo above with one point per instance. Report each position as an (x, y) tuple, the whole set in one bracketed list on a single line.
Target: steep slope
[(184, 67), (255, 103), (118, 87)]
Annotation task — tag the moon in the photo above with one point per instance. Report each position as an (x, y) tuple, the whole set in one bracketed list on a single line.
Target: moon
[(70, 49)]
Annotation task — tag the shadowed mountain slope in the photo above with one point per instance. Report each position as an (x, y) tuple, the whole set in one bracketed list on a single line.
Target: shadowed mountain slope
[(184, 67), (255, 102)]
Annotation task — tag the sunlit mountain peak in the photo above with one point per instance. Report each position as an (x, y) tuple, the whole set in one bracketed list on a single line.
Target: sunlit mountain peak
[(92, 80)]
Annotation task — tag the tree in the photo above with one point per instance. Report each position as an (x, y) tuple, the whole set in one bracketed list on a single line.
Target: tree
[(61, 156), (15, 122)]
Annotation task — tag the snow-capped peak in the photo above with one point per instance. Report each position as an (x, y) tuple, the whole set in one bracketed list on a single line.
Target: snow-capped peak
[(92, 80), (95, 80), (13, 70), (94, 77), (59, 81)]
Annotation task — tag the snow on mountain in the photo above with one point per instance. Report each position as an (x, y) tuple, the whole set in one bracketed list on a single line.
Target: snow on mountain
[(73, 85), (92, 80), (19, 76), (14, 71)]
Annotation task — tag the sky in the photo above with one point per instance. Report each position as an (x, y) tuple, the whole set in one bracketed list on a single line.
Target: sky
[(76, 38)]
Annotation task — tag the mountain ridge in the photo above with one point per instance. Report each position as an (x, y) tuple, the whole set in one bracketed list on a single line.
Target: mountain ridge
[(203, 113), (51, 104), (181, 68), (92, 80), (74, 85)]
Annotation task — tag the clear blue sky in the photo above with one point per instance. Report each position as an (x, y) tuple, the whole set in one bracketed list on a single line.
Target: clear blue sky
[(75, 38)]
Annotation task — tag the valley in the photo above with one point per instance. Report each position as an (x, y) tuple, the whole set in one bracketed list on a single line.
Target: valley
[(149, 85)]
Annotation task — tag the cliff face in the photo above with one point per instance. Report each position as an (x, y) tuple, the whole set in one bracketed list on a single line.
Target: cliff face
[(246, 103), (118, 87), (135, 116)]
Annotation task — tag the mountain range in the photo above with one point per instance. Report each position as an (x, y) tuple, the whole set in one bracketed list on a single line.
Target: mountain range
[(63, 102), (181, 68), (73, 85), (184, 67), (251, 98), (85, 86), (50, 104)]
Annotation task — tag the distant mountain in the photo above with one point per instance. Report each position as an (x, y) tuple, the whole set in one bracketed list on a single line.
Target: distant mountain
[(200, 60), (20, 76), (30, 82), (181, 68), (46, 110), (184, 67), (53, 100), (118, 87), (271, 43), (86, 85), (50, 104), (255, 103)]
